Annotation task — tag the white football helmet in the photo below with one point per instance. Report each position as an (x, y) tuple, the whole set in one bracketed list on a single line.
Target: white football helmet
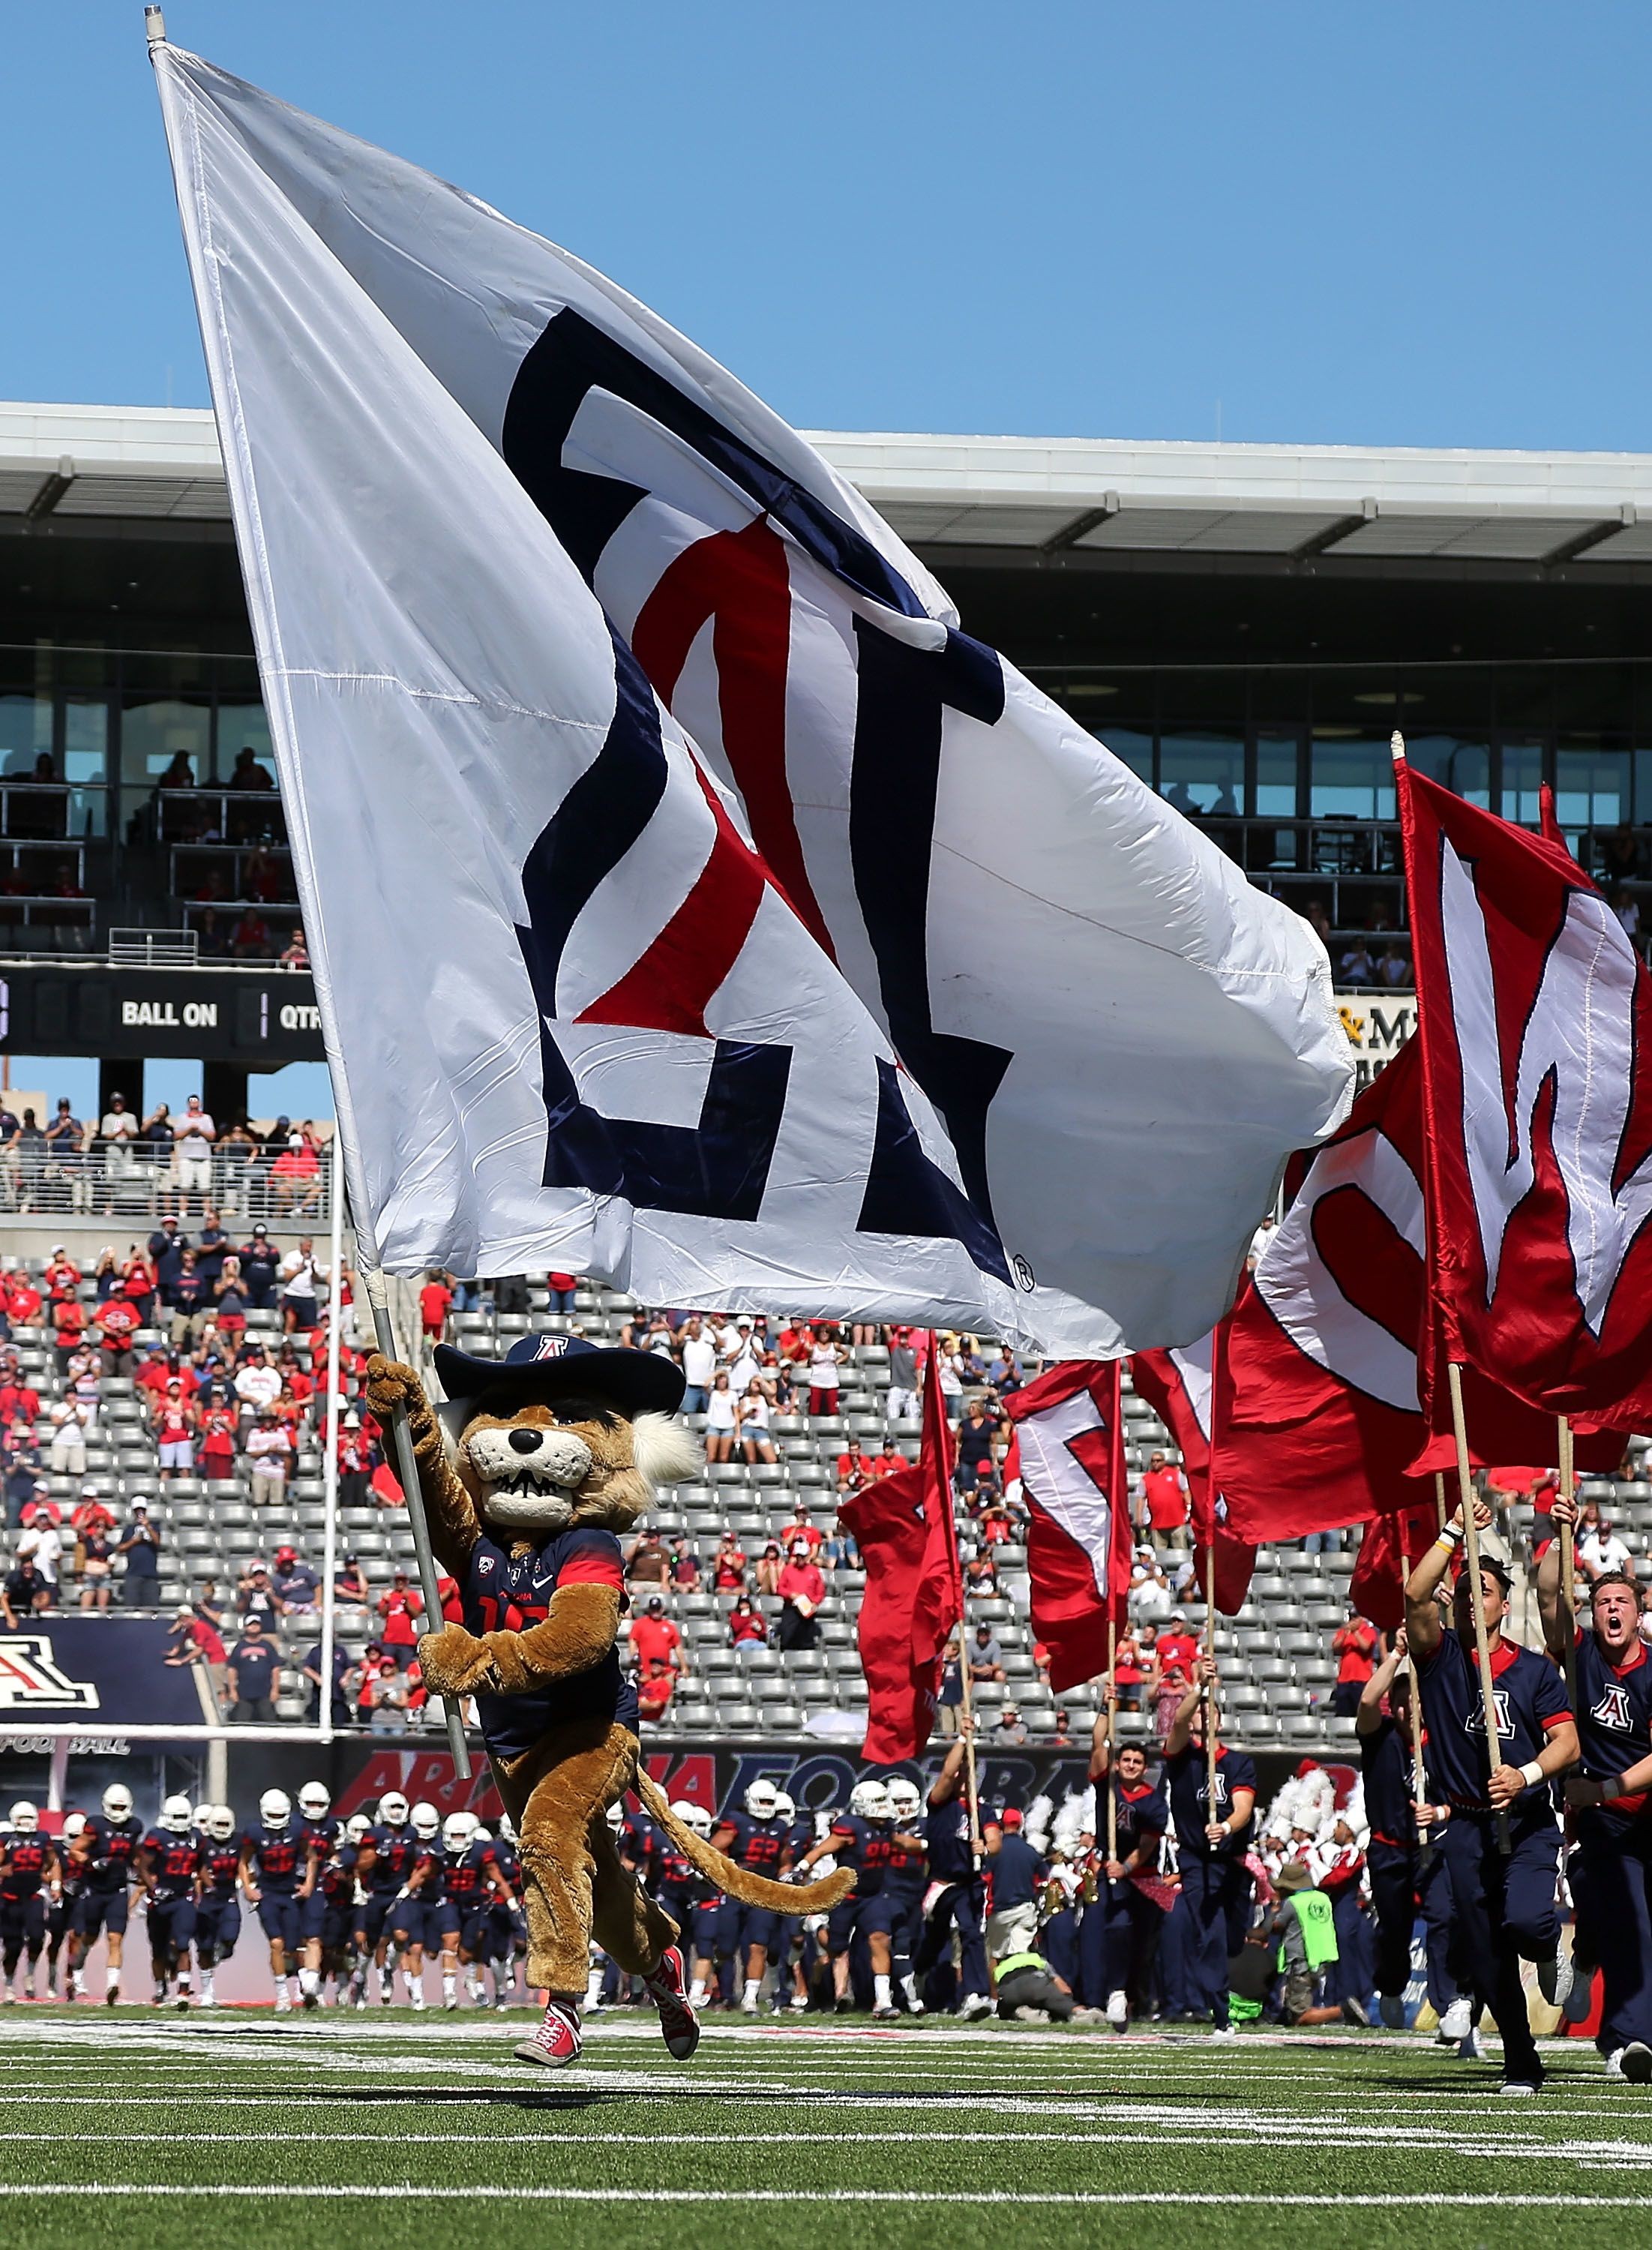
[(275, 1808), (459, 1831), (508, 1828), (869, 1800), (26, 1817), (693, 1817), (785, 1805), (392, 1809), (117, 1802), (201, 1818), (175, 1815), (761, 1799), (480, 1835), (427, 1821), (74, 1826), (356, 1827), (220, 1822), (314, 1801), (614, 1816), (903, 1800)]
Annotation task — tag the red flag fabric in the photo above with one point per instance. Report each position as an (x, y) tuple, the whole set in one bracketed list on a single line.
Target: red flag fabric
[(1179, 1386), (913, 1595), (1390, 1545), (1535, 1025), (1070, 1442), (1318, 1418)]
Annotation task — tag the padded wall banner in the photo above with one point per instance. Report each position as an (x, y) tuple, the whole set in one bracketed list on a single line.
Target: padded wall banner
[(105, 1672)]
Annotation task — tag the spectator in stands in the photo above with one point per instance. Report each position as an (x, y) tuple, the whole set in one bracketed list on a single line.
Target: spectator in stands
[(41, 1543), (154, 1144), (23, 1593), (801, 1532), (249, 939), (138, 1285), (269, 1448), (175, 1428), (217, 1440), (975, 1446), (32, 1161), (900, 1400), (258, 1383), (1130, 1671), (229, 1303), (1163, 1510), (986, 1655), (722, 1419), (1358, 969), (247, 774), (401, 1608), (294, 1583), (295, 1178), (699, 1365), (803, 1588), (1011, 1733), (685, 1565), (192, 1153), (344, 1663), (256, 1597), (70, 1420), (980, 1572), (302, 1278), (856, 1469), (753, 1414), (1393, 970), (747, 1627), (728, 1565), (94, 1561), (1004, 1374), (1601, 1552), (249, 1677), (436, 1300), (355, 1460), (64, 1138), (826, 1359), (21, 1479), (260, 1266), (770, 1565), (384, 1695), (296, 953), (648, 1563), (139, 1544), (657, 1646), (118, 1323), (1357, 1646), (117, 1147), (189, 1301), (350, 1587), (194, 1641)]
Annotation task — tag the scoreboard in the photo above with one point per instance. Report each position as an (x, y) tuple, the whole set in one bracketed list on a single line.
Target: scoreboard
[(258, 1017)]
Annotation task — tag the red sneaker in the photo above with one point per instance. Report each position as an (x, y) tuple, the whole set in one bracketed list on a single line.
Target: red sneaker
[(668, 1988), (557, 2041)]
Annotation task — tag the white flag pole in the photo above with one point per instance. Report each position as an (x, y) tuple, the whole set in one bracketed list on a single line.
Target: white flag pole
[(330, 1465)]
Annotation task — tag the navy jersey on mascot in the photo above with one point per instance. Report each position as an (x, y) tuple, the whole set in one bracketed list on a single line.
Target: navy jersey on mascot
[(509, 1593)]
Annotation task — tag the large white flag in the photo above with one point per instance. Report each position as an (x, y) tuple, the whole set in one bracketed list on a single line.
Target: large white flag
[(988, 1034)]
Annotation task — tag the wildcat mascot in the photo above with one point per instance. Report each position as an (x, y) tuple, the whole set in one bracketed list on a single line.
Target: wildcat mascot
[(529, 1472)]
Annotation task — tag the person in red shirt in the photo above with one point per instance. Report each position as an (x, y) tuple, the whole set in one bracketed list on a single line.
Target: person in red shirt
[(217, 1443), (118, 1323), (728, 1565), (799, 1529), (856, 1469), (659, 1657), (802, 1590), (1175, 1655), (436, 1301), (889, 1461), (25, 1304), (19, 1402), (69, 1324), (1129, 1672), (1358, 1648), (401, 1609), (561, 1288), (61, 1277), (1163, 1499), (383, 1487)]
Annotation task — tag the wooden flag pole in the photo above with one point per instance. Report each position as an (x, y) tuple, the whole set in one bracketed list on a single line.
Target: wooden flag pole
[(932, 1407), (1439, 1499), (1471, 1556), (1569, 1563), (1210, 1693), (1113, 1690), (1419, 1793)]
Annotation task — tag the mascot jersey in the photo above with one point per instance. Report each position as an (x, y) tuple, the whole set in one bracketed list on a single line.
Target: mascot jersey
[(507, 1591)]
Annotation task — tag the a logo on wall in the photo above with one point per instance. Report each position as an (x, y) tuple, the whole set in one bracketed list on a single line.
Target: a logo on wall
[(31, 1678)]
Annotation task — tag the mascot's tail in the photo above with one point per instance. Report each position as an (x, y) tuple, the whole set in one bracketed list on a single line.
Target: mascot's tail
[(739, 1882)]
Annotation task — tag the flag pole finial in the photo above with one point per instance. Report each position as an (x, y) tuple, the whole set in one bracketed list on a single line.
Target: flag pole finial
[(154, 27), (1397, 747)]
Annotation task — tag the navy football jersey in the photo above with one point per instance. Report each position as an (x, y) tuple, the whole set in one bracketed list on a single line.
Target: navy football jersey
[(461, 1877), (221, 1864), (337, 1876), (867, 1847), (758, 1845), (279, 1858), (1187, 1779), (509, 1591), (27, 1859), (324, 1834), (946, 1827), (506, 1860), (1529, 1697), (396, 1852), (1385, 1761), (1615, 1720), (174, 1861), (678, 1883), (1143, 1817), (113, 1848)]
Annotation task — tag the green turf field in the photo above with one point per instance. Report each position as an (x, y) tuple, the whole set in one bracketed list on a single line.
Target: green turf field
[(132, 2128)]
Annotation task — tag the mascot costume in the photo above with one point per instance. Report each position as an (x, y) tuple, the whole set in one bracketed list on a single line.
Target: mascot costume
[(529, 1472)]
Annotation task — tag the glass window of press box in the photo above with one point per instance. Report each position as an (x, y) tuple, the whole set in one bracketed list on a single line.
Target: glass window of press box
[(1287, 767)]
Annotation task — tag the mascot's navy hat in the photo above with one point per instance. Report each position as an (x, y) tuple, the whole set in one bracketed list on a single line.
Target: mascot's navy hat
[(546, 1367)]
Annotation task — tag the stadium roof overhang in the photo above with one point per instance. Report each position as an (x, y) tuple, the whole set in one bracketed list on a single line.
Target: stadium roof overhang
[(1012, 500)]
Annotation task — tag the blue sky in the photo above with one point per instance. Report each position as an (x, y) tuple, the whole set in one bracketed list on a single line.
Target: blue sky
[(1407, 224)]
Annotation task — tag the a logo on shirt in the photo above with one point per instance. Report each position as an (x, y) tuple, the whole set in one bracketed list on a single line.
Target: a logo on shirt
[(30, 1676), (485, 1564), (1475, 1722), (1613, 1710), (1222, 1789)]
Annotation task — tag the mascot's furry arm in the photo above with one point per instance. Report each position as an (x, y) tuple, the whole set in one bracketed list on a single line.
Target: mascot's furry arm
[(739, 1882), (455, 1527), (579, 1627)]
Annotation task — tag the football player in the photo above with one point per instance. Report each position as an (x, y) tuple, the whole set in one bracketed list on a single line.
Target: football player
[(170, 1862), (505, 1936), (28, 1873), (907, 1881), (277, 1875), (60, 1909), (390, 1851), (415, 1905), (1503, 1902), (957, 1895), (217, 1914), (468, 1884), (760, 1839), (1611, 1870), (862, 1838), (318, 1828), (104, 1853), (794, 1952)]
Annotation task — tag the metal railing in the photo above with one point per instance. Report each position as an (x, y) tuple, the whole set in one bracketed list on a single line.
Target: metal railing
[(142, 1183), (153, 948)]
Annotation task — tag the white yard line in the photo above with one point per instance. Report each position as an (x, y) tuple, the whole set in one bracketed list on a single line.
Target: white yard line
[(992, 2197)]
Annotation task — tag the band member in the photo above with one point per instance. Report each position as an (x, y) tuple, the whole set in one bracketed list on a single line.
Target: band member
[(1503, 1900)]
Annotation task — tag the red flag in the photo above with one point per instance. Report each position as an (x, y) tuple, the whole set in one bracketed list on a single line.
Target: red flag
[(1320, 1419), (1179, 1386), (1070, 1442), (1389, 1547), (913, 1596), (1535, 1021)]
